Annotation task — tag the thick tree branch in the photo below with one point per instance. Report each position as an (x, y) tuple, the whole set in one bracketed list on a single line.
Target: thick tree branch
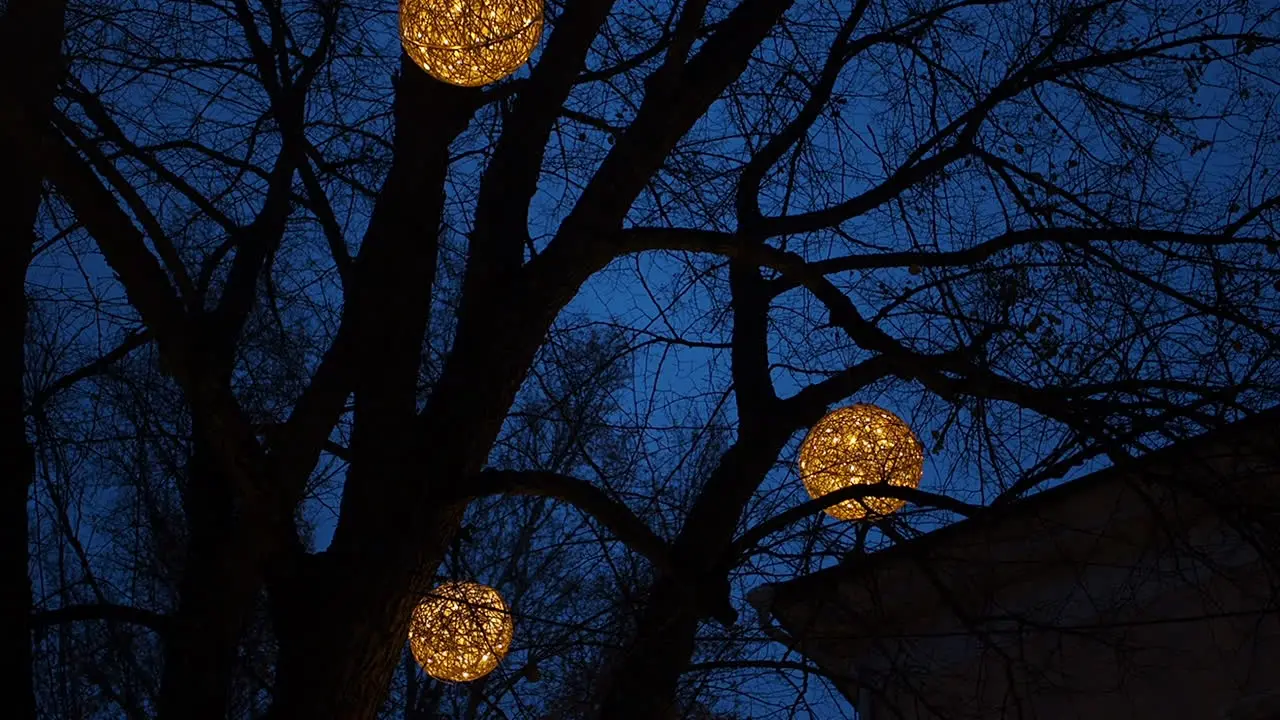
[(667, 76), (892, 187), (753, 174), (949, 374), (749, 355), (296, 445), (159, 238), (751, 538), (581, 494), (150, 293), (319, 203), (808, 405), (269, 74), (145, 282), (664, 116), (111, 131), (257, 243), (254, 244), (501, 218), (934, 155), (132, 342), (389, 305), (1017, 238), (642, 239), (101, 611)]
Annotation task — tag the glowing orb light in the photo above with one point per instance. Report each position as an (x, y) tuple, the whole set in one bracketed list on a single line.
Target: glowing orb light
[(470, 42), (460, 631), (860, 445)]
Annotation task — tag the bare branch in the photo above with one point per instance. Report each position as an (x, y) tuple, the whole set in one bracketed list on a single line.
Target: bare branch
[(581, 494), (131, 342), (751, 538), (101, 611)]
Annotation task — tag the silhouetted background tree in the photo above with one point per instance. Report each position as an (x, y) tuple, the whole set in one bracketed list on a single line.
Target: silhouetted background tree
[(290, 331)]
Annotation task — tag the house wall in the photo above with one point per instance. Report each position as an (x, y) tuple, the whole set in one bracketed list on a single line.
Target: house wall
[(1131, 599), (1157, 625), (1184, 632)]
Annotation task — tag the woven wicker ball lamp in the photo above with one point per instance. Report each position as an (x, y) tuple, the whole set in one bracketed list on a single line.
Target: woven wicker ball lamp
[(860, 445), (470, 42), (460, 631)]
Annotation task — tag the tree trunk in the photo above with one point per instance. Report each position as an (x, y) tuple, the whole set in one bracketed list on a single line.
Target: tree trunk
[(643, 686), (15, 582), (30, 49), (216, 591), (343, 622)]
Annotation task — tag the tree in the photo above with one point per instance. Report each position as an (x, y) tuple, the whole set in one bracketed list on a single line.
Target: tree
[(1046, 229), (31, 33)]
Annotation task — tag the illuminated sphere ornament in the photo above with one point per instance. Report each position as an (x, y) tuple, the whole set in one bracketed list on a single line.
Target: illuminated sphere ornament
[(860, 445), (460, 631), (470, 42)]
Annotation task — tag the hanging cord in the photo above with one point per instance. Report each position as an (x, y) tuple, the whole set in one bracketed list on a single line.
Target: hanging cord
[(455, 557)]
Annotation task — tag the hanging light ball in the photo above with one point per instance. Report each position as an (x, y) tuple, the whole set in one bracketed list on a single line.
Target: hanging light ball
[(460, 631), (860, 445), (470, 42)]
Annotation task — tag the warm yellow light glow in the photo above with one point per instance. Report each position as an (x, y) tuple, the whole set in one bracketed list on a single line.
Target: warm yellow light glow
[(470, 42), (461, 631), (860, 445)]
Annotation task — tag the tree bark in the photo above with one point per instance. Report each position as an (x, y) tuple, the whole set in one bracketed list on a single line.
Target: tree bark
[(342, 623), (214, 596), (643, 686), (341, 616), (31, 34), (503, 318), (343, 620), (361, 591), (15, 483)]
